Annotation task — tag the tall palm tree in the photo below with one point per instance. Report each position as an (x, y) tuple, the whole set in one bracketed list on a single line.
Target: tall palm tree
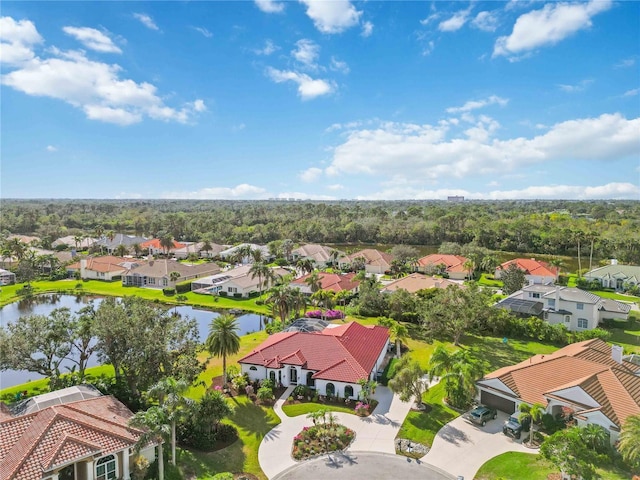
[(260, 270), (77, 239), (629, 445), (300, 302), (166, 242), (287, 247), (533, 414), (121, 250), (137, 249), (170, 395), (174, 276), (458, 370), (341, 298), (206, 247), (257, 256), (223, 340), (281, 299), (17, 248), (470, 267), (305, 265), (398, 333), (325, 299), (314, 281), (156, 428)]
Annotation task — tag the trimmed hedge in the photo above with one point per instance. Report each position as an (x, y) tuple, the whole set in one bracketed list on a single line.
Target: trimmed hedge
[(169, 292), (184, 287)]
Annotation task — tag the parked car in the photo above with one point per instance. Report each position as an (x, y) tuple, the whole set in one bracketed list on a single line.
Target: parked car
[(513, 428), (481, 414)]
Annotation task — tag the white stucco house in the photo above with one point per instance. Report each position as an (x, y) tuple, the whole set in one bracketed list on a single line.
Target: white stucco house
[(615, 276), (535, 271), (331, 361), (589, 380), (576, 309)]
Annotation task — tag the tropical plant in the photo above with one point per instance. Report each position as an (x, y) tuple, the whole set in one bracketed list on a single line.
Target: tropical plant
[(281, 299), (174, 276), (566, 450), (398, 333), (156, 428), (314, 281), (166, 242), (459, 371), (629, 445), (121, 250), (408, 381), (223, 340), (531, 414), (596, 437), (263, 272)]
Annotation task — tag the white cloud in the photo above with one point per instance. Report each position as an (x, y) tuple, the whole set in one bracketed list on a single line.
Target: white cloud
[(146, 20), (428, 48), (93, 39), (128, 196), (243, 191), (268, 49), (94, 87), (626, 62), (430, 152), (367, 29), (455, 23), (51, 148), (17, 39), (332, 16), (310, 174), (431, 18), (548, 26), (304, 196), (579, 87), (335, 186), (239, 127), (339, 66), (485, 21), (203, 31), (631, 93), (475, 104), (308, 87), (270, 6), (307, 53)]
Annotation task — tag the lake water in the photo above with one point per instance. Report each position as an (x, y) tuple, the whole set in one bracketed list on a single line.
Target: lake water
[(45, 304)]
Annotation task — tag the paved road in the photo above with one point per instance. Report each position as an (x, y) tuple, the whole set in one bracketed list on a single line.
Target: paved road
[(363, 465)]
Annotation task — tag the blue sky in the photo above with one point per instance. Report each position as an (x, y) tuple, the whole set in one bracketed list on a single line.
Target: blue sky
[(320, 100)]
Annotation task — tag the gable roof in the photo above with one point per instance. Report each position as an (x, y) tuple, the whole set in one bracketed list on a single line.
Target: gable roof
[(155, 243), (45, 439), (371, 257), (329, 281), (615, 271), (531, 266), (345, 353), (319, 253), (586, 365), (418, 281), (453, 263), (120, 239), (106, 263), (163, 267)]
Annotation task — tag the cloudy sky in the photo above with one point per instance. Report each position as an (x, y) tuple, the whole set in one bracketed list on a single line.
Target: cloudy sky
[(320, 100)]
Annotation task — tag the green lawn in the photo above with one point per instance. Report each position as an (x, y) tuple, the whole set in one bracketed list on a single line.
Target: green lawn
[(308, 407), (529, 466)]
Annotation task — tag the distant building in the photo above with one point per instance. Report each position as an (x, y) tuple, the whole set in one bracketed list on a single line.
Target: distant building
[(455, 199), (417, 281), (534, 270), (7, 277), (615, 276)]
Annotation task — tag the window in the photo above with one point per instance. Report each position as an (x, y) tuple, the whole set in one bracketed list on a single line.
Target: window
[(272, 376), (233, 290), (567, 319), (253, 368), (106, 468), (546, 315), (535, 295), (580, 306), (331, 390), (348, 391), (152, 281), (583, 323), (165, 282), (552, 302)]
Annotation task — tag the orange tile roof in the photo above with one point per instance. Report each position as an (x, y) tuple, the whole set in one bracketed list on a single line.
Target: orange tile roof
[(417, 281), (106, 263), (531, 266), (332, 281), (453, 263), (371, 257), (155, 243)]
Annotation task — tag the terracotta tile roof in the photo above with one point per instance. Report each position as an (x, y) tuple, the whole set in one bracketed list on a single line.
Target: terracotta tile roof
[(327, 351), (331, 281), (453, 263), (587, 365), (34, 443), (106, 263), (371, 256), (417, 281), (155, 243), (531, 266), (163, 267), (319, 253)]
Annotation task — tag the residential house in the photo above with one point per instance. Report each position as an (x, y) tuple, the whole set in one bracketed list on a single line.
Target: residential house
[(196, 249), (321, 256), (7, 277), (229, 254), (417, 281), (108, 267), (572, 307), (73, 433), (26, 239), (157, 273), (70, 241), (110, 244), (333, 282), (331, 361), (589, 379), (153, 246), (615, 276), (374, 261), (451, 265), (245, 284), (535, 271)]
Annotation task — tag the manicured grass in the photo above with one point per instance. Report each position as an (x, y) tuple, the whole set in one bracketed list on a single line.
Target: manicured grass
[(308, 407), (627, 334), (489, 282), (422, 427)]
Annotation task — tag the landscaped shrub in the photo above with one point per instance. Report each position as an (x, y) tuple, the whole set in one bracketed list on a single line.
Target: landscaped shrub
[(222, 293), (321, 439), (274, 327), (237, 295), (265, 394), (240, 382), (328, 314), (183, 287), (589, 334), (169, 292), (223, 476)]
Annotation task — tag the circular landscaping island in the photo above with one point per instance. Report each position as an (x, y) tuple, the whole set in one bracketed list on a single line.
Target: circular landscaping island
[(321, 438)]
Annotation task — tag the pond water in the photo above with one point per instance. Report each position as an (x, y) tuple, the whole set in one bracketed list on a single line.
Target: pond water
[(45, 304)]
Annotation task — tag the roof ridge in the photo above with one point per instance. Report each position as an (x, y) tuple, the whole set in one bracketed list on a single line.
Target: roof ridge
[(47, 461)]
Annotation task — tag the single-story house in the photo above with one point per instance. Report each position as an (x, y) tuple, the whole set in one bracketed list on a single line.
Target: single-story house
[(153, 246), (329, 281), (320, 255), (246, 284), (7, 277), (452, 265), (70, 241), (73, 433), (196, 248), (576, 309), (615, 275), (331, 361), (128, 241), (417, 281), (374, 261), (230, 253), (590, 379), (26, 239), (535, 271), (157, 273), (107, 267)]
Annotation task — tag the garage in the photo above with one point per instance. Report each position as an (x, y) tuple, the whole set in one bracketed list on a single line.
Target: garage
[(499, 403)]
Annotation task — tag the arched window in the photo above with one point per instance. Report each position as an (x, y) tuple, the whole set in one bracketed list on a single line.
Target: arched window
[(331, 390), (253, 368), (310, 380), (106, 468), (348, 391), (272, 376)]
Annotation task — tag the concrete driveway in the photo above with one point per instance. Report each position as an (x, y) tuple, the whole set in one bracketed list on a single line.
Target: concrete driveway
[(462, 447)]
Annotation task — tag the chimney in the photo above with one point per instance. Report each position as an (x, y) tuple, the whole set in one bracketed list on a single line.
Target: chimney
[(557, 307), (616, 353)]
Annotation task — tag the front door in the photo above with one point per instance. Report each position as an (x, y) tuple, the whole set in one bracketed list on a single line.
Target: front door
[(293, 376)]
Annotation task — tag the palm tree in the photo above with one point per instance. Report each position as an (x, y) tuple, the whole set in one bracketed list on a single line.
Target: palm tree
[(77, 239), (470, 267), (260, 270), (121, 250), (281, 300), (459, 371), (305, 265), (557, 263), (596, 437), (166, 242), (398, 333), (300, 301), (489, 263), (314, 281), (533, 414), (629, 445), (156, 427), (256, 255), (137, 249), (341, 299), (174, 276), (170, 395), (206, 247), (287, 247), (223, 340), (17, 248), (324, 299)]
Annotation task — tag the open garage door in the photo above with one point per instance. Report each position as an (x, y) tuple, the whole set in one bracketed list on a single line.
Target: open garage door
[(499, 403)]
